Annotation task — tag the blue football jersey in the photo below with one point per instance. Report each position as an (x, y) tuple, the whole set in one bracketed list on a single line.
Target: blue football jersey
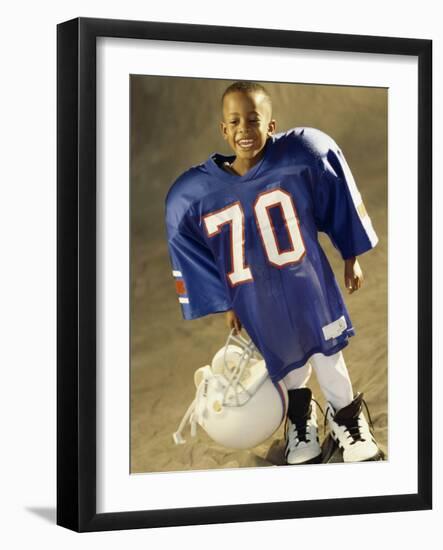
[(250, 243)]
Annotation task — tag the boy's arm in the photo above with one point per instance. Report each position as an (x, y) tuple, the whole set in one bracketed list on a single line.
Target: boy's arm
[(233, 321), (353, 275)]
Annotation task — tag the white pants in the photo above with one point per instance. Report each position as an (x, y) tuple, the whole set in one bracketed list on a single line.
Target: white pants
[(332, 376)]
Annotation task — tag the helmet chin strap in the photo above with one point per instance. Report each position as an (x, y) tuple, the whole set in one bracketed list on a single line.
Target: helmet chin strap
[(177, 436), (195, 411)]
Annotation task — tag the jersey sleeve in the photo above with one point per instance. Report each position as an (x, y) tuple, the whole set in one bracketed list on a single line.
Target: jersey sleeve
[(339, 208), (199, 288)]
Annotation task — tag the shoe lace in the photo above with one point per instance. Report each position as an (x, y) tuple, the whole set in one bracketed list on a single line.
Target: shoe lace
[(353, 428), (351, 425), (368, 415), (319, 406), (299, 428)]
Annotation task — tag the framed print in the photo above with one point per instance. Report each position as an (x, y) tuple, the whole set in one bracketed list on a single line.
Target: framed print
[(206, 299)]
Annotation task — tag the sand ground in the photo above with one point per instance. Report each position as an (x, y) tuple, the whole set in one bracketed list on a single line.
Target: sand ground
[(174, 125)]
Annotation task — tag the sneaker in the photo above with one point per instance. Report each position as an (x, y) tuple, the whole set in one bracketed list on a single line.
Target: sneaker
[(302, 445), (350, 430)]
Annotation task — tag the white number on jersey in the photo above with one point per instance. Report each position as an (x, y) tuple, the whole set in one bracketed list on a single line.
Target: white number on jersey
[(234, 216), (282, 199)]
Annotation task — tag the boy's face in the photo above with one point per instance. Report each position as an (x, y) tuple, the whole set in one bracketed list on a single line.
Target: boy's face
[(247, 123)]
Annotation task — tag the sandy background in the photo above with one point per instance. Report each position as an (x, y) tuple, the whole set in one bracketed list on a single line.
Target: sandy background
[(174, 124)]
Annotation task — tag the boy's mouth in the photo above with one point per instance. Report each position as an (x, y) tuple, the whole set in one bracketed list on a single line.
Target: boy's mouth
[(246, 143)]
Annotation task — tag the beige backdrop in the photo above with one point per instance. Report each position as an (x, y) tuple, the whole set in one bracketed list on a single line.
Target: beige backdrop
[(174, 124)]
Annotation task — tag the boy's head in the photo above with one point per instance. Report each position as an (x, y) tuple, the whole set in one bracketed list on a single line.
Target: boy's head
[(247, 119)]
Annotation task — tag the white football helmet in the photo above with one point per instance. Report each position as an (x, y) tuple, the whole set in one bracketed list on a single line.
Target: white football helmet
[(236, 402)]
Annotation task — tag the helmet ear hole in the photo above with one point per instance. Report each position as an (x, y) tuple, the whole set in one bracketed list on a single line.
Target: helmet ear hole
[(199, 375), (217, 406)]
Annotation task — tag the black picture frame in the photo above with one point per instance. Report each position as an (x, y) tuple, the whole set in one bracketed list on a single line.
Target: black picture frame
[(76, 279)]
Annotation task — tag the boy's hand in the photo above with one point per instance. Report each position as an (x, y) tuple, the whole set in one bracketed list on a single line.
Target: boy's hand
[(233, 321), (353, 275)]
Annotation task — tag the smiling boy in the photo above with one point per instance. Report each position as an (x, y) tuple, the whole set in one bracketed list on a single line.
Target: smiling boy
[(242, 235)]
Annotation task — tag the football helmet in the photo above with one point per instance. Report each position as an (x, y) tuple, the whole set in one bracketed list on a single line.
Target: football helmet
[(236, 402)]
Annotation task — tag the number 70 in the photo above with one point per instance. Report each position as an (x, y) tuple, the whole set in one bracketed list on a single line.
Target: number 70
[(234, 216)]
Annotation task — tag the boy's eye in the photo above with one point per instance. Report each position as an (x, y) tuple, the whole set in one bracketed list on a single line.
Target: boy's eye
[(251, 121)]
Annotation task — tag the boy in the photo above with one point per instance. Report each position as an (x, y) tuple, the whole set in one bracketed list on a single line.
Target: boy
[(242, 235)]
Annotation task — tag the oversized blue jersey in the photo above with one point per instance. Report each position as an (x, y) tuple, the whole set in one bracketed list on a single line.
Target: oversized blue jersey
[(250, 243)]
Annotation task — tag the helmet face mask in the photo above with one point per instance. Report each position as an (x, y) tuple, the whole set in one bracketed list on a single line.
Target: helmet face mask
[(236, 402), (236, 363)]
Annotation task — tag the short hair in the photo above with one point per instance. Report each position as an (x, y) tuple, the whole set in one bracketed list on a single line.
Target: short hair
[(246, 86)]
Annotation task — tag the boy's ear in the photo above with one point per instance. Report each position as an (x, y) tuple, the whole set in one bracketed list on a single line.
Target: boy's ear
[(272, 126), (223, 129)]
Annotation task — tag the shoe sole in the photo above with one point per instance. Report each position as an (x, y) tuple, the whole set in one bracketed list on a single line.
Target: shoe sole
[(315, 460), (376, 458)]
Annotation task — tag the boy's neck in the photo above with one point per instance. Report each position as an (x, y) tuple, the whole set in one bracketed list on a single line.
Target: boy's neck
[(241, 166)]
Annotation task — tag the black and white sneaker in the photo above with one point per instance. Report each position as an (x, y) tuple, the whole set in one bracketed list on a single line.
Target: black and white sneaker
[(301, 430), (350, 430)]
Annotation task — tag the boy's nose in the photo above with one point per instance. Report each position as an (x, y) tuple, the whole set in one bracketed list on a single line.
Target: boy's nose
[(244, 127)]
